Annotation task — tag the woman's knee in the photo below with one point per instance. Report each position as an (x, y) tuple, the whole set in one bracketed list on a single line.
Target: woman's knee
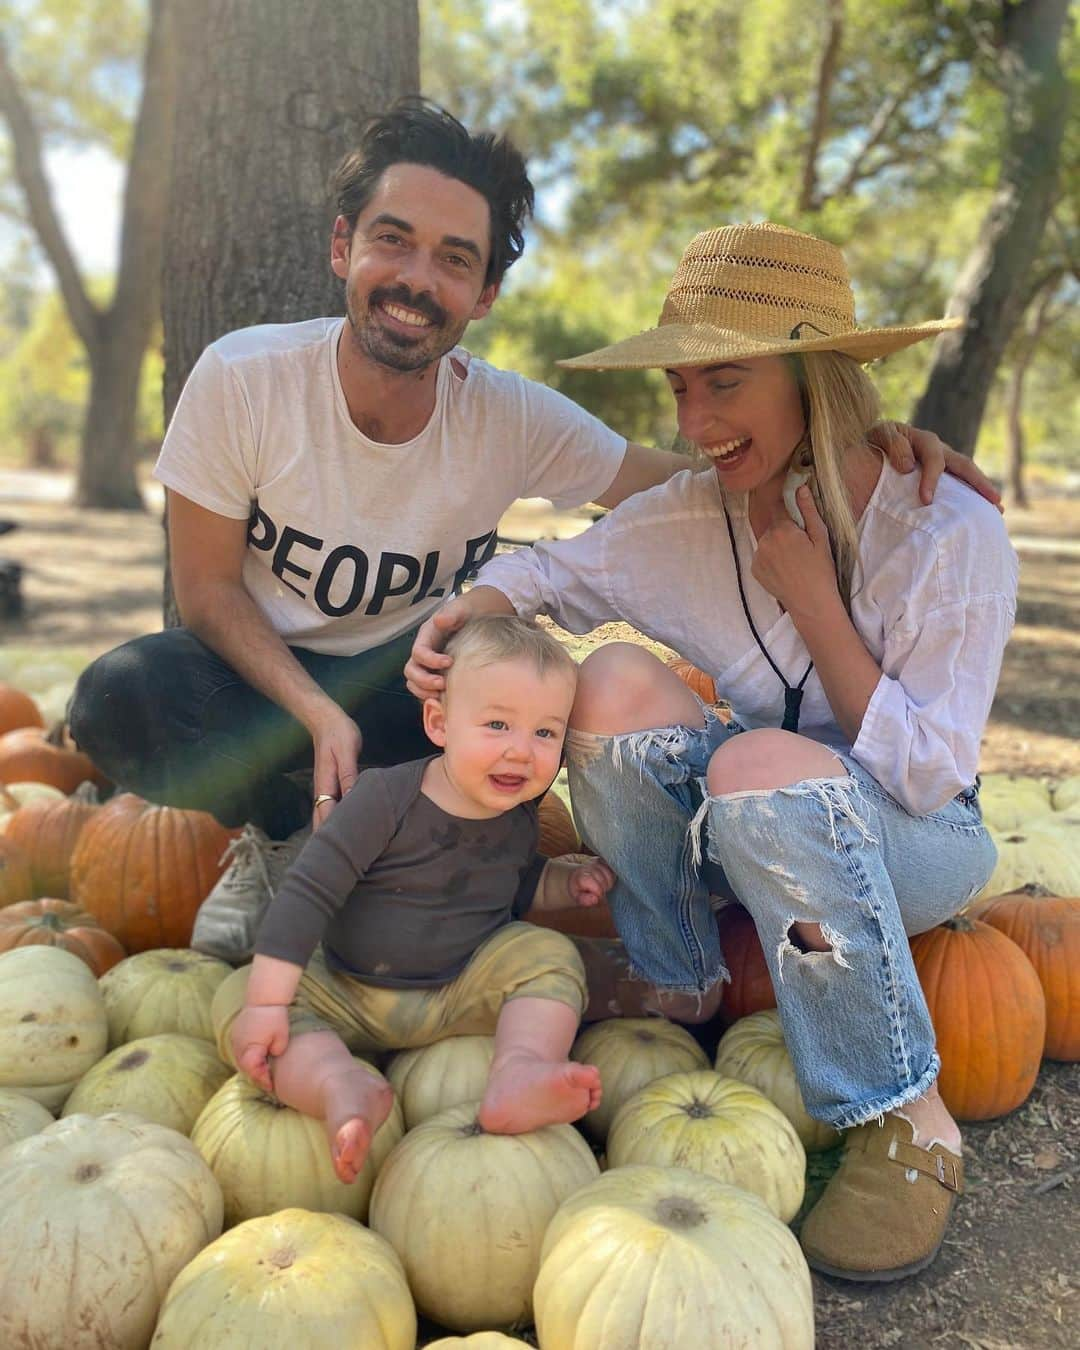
[(623, 687), (769, 758)]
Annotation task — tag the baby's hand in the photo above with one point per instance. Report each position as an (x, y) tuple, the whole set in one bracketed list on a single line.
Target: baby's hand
[(590, 882), (258, 1033)]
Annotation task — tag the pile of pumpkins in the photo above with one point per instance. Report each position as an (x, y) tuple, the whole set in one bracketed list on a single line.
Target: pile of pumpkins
[(174, 1204)]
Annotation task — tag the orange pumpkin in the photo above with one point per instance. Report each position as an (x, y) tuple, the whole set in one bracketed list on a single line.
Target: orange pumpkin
[(751, 987), (32, 755), (703, 685), (558, 833), (1046, 928), (17, 710), (144, 870), (57, 923), (989, 1014), (46, 830), (15, 882)]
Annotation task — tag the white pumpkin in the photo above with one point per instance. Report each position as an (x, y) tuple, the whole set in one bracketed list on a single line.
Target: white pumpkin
[(754, 1051), (165, 990), (1066, 794), (479, 1340), (466, 1212), (20, 1117), (52, 1022), (267, 1157), (435, 1077), (666, 1259), (291, 1281), (630, 1053), (714, 1125), (1045, 852), (100, 1214), (1010, 801), (167, 1079)]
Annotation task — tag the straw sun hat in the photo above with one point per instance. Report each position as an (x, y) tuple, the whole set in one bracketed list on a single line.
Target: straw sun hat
[(756, 290)]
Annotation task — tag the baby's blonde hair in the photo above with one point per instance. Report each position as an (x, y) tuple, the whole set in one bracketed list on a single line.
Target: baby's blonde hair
[(491, 638)]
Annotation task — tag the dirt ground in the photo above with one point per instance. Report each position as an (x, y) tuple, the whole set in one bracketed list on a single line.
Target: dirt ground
[(1008, 1277)]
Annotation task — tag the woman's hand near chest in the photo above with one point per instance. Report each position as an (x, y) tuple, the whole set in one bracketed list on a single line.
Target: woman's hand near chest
[(796, 567)]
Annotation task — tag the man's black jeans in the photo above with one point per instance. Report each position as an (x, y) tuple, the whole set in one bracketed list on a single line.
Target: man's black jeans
[(165, 717)]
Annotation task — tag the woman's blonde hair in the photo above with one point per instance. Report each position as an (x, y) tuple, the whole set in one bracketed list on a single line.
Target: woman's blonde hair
[(840, 404)]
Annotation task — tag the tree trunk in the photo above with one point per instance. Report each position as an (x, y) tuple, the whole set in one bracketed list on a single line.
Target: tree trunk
[(107, 459), (272, 95), (115, 339), (1015, 491), (989, 292)]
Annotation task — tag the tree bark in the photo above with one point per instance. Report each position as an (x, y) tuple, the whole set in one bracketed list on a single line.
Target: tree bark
[(108, 454), (989, 292), (115, 338), (809, 199), (272, 95), (1015, 489)]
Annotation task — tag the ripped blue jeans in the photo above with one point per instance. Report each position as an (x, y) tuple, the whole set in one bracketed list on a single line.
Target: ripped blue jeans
[(837, 852)]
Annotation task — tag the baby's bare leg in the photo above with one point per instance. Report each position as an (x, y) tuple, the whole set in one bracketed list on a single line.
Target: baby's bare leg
[(532, 1081), (319, 1077)]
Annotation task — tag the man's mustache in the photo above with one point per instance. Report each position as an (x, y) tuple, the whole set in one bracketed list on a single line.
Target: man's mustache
[(401, 295)]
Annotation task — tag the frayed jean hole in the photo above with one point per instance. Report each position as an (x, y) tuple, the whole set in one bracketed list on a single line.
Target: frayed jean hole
[(793, 943)]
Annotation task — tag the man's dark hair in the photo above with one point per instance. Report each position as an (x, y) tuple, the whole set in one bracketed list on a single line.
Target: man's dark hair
[(416, 131)]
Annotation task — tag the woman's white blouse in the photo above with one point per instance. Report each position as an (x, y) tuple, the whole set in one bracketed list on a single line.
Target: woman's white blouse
[(934, 600)]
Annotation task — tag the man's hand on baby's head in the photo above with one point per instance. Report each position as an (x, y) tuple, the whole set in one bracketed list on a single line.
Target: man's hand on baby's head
[(590, 882), (425, 670)]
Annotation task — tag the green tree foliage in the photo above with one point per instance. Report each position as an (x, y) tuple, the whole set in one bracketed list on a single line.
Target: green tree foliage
[(45, 382), (647, 120)]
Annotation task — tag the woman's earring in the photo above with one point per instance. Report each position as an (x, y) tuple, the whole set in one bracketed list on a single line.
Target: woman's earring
[(801, 471)]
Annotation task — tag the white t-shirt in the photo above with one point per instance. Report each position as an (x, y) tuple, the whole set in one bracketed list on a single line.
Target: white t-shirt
[(934, 600), (352, 542)]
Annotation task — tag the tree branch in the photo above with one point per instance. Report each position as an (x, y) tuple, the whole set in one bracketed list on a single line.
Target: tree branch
[(30, 171), (808, 193), (879, 125)]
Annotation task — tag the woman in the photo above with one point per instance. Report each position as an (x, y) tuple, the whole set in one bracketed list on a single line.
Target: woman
[(858, 637)]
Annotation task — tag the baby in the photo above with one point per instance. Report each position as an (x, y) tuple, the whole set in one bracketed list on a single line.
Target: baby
[(414, 887)]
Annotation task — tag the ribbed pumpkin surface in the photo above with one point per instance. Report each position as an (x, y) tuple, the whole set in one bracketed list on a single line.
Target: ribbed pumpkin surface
[(662, 1258), (145, 870), (47, 830), (630, 1053), (1046, 928), (715, 1125), (268, 1157), (290, 1281), (466, 1212), (989, 1014), (59, 923)]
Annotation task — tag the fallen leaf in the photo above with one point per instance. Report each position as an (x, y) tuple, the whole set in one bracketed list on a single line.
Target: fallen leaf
[(1047, 1159)]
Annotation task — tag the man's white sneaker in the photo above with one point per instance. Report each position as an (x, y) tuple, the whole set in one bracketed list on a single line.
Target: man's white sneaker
[(229, 917)]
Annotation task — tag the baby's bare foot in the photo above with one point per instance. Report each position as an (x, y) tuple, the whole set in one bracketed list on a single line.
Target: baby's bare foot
[(525, 1094), (355, 1103)]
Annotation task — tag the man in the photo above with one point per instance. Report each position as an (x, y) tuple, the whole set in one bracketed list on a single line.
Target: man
[(329, 483)]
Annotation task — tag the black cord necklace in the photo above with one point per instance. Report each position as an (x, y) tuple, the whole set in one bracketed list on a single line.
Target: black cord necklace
[(792, 693)]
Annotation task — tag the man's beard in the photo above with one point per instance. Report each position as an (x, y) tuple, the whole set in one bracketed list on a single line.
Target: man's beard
[(399, 351)]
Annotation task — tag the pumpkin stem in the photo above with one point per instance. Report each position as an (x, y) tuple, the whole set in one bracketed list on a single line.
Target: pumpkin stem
[(678, 1211)]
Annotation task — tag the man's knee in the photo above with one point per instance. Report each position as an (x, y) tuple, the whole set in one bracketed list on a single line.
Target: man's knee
[(108, 689)]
